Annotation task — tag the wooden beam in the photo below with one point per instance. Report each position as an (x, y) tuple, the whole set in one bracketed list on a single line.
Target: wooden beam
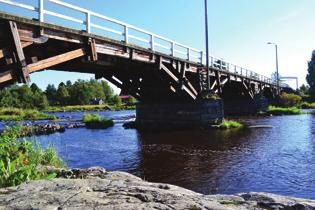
[(1, 53), (93, 50), (249, 91), (55, 60), (26, 44), (6, 76), (24, 74), (164, 68)]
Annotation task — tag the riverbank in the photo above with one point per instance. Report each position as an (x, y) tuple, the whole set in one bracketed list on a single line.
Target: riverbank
[(82, 108), (96, 188), (16, 114)]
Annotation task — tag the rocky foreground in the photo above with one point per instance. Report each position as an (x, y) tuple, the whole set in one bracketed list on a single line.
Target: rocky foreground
[(95, 188)]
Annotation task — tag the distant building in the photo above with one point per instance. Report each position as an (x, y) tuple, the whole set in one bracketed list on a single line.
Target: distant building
[(97, 101), (124, 98)]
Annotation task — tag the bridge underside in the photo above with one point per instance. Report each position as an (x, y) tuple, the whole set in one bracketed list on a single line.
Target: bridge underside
[(27, 46)]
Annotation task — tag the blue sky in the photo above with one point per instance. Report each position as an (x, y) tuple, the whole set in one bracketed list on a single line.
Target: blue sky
[(239, 30)]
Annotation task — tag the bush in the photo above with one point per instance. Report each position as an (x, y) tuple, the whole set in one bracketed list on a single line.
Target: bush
[(229, 124), (94, 121), (284, 111), (22, 161), (289, 99)]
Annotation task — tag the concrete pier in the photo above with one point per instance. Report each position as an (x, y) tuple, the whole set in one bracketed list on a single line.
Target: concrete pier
[(179, 114)]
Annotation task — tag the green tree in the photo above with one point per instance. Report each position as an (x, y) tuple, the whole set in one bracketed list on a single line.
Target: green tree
[(108, 91), (116, 100), (310, 78), (51, 93), (62, 95), (304, 90)]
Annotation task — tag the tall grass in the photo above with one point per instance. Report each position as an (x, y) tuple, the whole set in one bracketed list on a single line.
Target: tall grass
[(22, 161), (94, 121), (15, 114)]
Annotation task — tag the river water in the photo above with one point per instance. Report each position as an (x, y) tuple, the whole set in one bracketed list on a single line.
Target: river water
[(277, 160)]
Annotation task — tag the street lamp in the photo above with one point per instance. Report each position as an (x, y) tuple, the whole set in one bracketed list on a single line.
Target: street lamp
[(277, 66), (207, 44)]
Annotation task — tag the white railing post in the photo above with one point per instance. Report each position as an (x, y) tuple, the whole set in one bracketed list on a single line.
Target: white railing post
[(173, 49), (126, 34), (152, 42), (41, 10), (88, 22), (211, 61), (188, 54)]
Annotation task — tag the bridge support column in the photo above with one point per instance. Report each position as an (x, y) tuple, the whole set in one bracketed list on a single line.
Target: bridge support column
[(179, 115), (246, 106)]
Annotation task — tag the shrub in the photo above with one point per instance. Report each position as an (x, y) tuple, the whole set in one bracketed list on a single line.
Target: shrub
[(94, 121), (283, 111), (289, 99), (22, 161), (229, 124)]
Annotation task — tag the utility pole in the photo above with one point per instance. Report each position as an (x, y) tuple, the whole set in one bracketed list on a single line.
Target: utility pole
[(207, 44), (277, 64)]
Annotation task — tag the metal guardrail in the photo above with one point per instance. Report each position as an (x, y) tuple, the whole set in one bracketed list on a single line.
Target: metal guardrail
[(172, 48)]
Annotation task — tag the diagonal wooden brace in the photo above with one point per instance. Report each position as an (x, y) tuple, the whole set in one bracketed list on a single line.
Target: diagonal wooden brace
[(22, 74)]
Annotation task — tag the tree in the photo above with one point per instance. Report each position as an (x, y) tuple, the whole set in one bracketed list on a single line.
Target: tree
[(35, 88), (51, 93), (310, 78), (116, 100), (304, 90), (23, 97), (108, 91), (62, 95), (274, 76)]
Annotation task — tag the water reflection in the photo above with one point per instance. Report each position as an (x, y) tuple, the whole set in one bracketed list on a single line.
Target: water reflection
[(278, 160)]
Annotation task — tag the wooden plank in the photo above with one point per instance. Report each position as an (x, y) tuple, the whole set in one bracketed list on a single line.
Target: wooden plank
[(26, 44), (93, 50), (6, 76), (18, 48), (58, 59), (164, 68), (1, 53)]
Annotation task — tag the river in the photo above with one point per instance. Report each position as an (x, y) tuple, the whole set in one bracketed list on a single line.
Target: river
[(277, 160)]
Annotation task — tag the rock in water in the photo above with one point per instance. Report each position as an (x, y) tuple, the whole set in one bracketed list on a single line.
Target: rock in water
[(99, 189)]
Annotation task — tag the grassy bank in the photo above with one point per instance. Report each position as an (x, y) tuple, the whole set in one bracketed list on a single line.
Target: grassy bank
[(94, 121), (14, 114), (306, 105), (273, 110), (229, 124), (22, 161), (82, 108)]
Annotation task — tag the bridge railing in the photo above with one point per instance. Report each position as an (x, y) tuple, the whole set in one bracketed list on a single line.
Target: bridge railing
[(153, 41)]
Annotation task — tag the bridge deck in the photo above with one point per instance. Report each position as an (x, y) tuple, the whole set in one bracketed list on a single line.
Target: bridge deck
[(28, 46)]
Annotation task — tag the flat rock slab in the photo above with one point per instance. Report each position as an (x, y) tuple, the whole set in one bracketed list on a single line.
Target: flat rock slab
[(100, 189)]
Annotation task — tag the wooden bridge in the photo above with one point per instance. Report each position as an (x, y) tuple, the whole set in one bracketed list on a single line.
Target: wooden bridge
[(148, 66)]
